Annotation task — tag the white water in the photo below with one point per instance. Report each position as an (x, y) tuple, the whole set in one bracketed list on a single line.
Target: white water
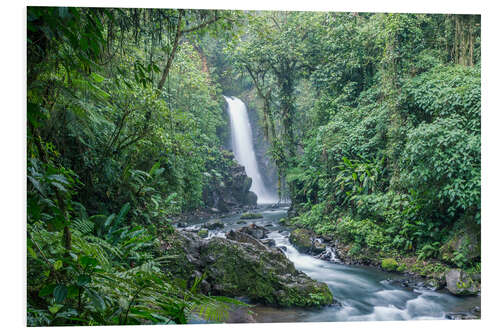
[(242, 142)]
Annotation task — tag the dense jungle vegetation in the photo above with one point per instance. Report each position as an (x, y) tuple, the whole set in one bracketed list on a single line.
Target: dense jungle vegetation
[(373, 122)]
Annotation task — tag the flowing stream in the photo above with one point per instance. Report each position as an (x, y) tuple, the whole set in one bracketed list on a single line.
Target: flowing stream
[(364, 293), (241, 134)]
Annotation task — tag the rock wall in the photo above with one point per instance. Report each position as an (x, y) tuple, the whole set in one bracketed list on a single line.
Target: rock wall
[(231, 190)]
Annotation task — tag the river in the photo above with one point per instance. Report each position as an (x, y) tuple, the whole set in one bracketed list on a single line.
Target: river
[(365, 293)]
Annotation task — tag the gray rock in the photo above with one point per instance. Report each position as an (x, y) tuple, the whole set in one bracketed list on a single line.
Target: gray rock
[(255, 231), (459, 282), (243, 269)]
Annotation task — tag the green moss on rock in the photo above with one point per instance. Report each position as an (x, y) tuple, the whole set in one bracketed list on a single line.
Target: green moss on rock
[(390, 264), (237, 269), (203, 233), (250, 216)]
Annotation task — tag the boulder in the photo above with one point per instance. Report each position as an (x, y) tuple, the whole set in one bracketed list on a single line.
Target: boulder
[(243, 268), (214, 224), (255, 231), (459, 282), (250, 216), (389, 264), (203, 233), (231, 189), (306, 242)]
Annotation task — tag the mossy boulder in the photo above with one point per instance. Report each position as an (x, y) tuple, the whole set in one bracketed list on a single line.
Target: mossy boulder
[(243, 268), (250, 216), (459, 282), (255, 231), (214, 224), (203, 233), (390, 264), (305, 241)]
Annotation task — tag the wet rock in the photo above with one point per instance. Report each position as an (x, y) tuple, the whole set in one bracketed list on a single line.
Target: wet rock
[(214, 224), (203, 233), (230, 192), (241, 222), (459, 282), (250, 216), (389, 264), (244, 269), (181, 225), (461, 316), (306, 242), (255, 231), (282, 248), (243, 237), (269, 242)]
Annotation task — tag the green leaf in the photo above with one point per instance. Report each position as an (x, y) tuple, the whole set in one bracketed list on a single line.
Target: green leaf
[(97, 78), (60, 293), (96, 299), (46, 290), (54, 308), (58, 265)]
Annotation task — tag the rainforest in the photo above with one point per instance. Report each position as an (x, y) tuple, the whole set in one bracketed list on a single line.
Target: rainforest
[(224, 166)]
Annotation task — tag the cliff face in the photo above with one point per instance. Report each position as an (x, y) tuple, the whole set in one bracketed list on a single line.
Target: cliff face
[(230, 189)]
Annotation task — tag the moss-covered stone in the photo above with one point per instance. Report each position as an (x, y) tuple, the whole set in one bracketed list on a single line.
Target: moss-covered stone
[(250, 216), (245, 268), (214, 224), (390, 264), (203, 233), (236, 269), (301, 239), (459, 282)]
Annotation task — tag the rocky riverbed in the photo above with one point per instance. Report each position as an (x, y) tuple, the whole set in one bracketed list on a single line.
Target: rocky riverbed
[(264, 244)]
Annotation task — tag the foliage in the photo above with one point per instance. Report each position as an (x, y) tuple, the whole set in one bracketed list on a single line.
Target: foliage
[(123, 123)]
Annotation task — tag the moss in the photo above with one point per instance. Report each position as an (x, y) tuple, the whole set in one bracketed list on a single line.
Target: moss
[(263, 276), (250, 216), (203, 233), (301, 239), (390, 264)]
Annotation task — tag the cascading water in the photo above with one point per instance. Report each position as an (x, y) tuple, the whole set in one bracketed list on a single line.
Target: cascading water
[(242, 142)]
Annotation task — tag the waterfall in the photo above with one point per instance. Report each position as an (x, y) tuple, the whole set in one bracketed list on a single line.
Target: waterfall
[(242, 143)]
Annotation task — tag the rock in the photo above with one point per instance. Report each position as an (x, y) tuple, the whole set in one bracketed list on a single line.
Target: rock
[(461, 316), (255, 230), (203, 233), (181, 225), (214, 224), (390, 265), (230, 192), (243, 237), (251, 199), (268, 242), (282, 248), (250, 216), (244, 269), (306, 242), (241, 222), (459, 282)]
